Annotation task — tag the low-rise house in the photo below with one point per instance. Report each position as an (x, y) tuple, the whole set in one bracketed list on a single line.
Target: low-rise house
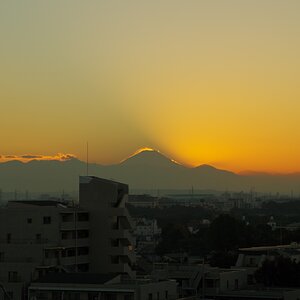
[(252, 258), (100, 286)]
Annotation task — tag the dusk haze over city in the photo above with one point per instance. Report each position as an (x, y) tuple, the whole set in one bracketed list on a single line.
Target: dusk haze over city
[(150, 150)]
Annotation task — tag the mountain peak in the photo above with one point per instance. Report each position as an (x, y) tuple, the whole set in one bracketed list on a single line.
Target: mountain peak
[(148, 156)]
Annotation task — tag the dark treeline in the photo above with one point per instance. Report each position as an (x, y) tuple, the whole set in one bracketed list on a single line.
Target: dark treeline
[(175, 214), (284, 213), (279, 272), (225, 233), (219, 241)]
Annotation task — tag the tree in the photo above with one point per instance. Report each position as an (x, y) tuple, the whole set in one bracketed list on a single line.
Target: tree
[(174, 238), (225, 233), (280, 271)]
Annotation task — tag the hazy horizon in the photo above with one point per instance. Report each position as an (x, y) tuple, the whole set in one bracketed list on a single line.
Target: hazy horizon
[(60, 157), (205, 82)]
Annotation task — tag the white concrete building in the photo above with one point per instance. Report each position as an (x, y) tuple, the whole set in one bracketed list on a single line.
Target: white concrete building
[(98, 286)]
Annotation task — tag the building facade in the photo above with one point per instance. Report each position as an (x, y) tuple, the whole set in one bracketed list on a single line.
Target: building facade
[(40, 237)]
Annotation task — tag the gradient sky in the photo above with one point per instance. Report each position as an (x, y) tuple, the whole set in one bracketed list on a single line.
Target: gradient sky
[(214, 82)]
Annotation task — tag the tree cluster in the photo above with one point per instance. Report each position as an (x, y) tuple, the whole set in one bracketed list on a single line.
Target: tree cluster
[(279, 272)]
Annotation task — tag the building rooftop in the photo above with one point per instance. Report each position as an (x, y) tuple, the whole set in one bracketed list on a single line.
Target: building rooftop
[(262, 293), (88, 179), (40, 202), (268, 248), (76, 278)]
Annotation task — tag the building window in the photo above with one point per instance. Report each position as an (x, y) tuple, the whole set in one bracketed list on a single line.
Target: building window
[(83, 251), (40, 273), (8, 238), (83, 267), (250, 279), (67, 217), (71, 252), (64, 235), (115, 243), (236, 284), (114, 222), (83, 217), (166, 294), (38, 237), (209, 283), (29, 221), (114, 259), (1, 256), (82, 234), (47, 220), (12, 276)]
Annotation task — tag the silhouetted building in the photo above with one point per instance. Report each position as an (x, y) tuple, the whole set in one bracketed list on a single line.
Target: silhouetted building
[(111, 239), (39, 237)]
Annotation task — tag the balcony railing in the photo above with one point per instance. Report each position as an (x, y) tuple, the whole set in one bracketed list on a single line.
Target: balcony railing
[(71, 225), (72, 242), (16, 260), (24, 241)]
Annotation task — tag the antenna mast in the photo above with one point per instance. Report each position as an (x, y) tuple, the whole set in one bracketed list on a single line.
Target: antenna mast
[(87, 158)]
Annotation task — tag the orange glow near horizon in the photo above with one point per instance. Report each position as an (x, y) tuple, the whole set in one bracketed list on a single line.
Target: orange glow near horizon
[(187, 163), (205, 82)]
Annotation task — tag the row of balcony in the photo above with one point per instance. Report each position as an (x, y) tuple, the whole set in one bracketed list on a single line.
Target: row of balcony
[(74, 225), (68, 260)]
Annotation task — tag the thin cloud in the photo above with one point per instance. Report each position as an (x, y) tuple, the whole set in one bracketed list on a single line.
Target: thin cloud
[(10, 156), (29, 157)]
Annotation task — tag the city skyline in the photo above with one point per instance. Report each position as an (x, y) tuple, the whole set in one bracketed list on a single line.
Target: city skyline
[(207, 82)]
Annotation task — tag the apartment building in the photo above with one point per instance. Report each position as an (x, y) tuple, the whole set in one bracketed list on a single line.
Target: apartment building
[(111, 238), (38, 237)]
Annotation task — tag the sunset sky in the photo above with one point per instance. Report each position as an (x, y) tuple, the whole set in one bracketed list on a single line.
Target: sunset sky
[(204, 82)]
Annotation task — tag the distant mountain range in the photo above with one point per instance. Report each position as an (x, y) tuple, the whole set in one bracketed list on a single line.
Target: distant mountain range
[(145, 170)]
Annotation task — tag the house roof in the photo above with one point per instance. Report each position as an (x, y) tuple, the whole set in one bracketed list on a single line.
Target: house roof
[(76, 278), (40, 202)]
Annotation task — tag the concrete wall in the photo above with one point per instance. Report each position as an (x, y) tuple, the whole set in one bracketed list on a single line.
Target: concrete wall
[(160, 290), (233, 280)]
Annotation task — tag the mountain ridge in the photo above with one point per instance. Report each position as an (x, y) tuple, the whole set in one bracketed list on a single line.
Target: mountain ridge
[(143, 170)]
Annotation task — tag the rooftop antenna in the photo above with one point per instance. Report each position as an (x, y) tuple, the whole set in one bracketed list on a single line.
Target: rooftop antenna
[(87, 158), (192, 196)]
